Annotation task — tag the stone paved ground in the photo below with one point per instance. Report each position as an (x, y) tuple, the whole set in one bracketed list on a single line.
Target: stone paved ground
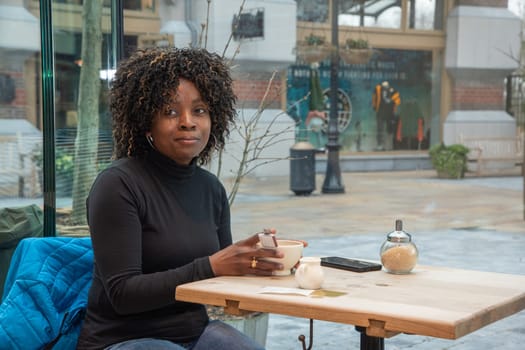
[(475, 223)]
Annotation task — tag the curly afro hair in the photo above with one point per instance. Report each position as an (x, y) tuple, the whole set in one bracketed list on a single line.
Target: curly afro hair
[(142, 87)]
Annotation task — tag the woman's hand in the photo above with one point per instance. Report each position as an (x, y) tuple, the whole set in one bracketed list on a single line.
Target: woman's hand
[(245, 258)]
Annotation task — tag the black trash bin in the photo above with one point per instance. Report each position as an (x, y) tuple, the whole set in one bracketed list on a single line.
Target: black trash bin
[(15, 224), (302, 168)]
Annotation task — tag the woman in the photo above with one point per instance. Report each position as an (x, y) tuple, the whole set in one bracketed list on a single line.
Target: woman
[(157, 219)]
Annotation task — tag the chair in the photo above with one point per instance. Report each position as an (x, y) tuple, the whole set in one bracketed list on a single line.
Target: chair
[(45, 293), (17, 223)]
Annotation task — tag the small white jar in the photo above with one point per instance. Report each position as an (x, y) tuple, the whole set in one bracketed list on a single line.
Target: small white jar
[(309, 274)]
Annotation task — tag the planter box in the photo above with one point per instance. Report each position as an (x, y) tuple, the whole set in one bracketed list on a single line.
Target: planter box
[(254, 325), (313, 53), (356, 56)]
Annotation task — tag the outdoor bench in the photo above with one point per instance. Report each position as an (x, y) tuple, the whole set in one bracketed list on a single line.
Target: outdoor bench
[(15, 163), (489, 154)]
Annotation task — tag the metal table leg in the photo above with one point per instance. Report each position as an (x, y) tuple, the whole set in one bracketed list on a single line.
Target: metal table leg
[(302, 338), (368, 342)]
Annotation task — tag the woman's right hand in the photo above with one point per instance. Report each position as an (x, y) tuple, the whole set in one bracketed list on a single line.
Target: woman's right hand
[(244, 258)]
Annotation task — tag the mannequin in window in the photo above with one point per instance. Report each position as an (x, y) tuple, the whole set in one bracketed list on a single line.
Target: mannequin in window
[(385, 100)]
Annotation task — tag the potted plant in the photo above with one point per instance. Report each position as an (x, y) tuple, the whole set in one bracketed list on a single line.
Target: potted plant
[(449, 161), (313, 49), (357, 44), (253, 324), (356, 51)]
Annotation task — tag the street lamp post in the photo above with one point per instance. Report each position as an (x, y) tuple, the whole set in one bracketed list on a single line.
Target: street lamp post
[(332, 182)]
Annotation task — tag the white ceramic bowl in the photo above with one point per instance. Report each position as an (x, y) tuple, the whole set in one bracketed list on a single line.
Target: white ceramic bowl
[(292, 250)]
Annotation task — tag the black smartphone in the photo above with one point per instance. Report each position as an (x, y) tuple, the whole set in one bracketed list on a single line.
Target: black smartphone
[(350, 264)]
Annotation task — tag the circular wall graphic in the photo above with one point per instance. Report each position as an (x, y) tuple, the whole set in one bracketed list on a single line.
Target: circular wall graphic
[(344, 110)]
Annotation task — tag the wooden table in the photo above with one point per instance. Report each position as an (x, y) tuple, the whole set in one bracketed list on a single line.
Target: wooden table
[(431, 301)]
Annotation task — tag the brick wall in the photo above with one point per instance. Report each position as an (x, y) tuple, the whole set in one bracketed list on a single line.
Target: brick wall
[(250, 89), (474, 96), (20, 96)]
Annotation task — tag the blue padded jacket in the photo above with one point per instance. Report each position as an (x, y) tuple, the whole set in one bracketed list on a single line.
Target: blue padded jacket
[(45, 293)]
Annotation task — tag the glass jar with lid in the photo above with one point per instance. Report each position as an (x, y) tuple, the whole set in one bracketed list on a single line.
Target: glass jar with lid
[(398, 253)]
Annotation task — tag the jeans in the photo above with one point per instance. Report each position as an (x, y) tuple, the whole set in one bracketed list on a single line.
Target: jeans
[(216, 336)]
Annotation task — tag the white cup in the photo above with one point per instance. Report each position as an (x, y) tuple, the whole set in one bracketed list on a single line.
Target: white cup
[(292, 250)]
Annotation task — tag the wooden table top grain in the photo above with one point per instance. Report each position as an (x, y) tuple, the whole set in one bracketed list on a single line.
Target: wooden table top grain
[(432, 301)]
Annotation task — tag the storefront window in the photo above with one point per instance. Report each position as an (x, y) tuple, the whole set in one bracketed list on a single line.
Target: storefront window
[(385, 104)]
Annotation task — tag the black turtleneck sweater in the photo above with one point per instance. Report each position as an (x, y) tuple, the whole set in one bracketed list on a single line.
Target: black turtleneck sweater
[(153, 225)]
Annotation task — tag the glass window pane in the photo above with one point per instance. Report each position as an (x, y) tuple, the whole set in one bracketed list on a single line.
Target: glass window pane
[(425, 14), (83, 68), (371, 13), (128, 4), (312, 10), (163, 23), (20, 120)]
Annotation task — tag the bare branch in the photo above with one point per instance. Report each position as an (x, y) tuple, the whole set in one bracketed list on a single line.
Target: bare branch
[(509, 55), (254, 139), (203, 26), (230, 38)]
